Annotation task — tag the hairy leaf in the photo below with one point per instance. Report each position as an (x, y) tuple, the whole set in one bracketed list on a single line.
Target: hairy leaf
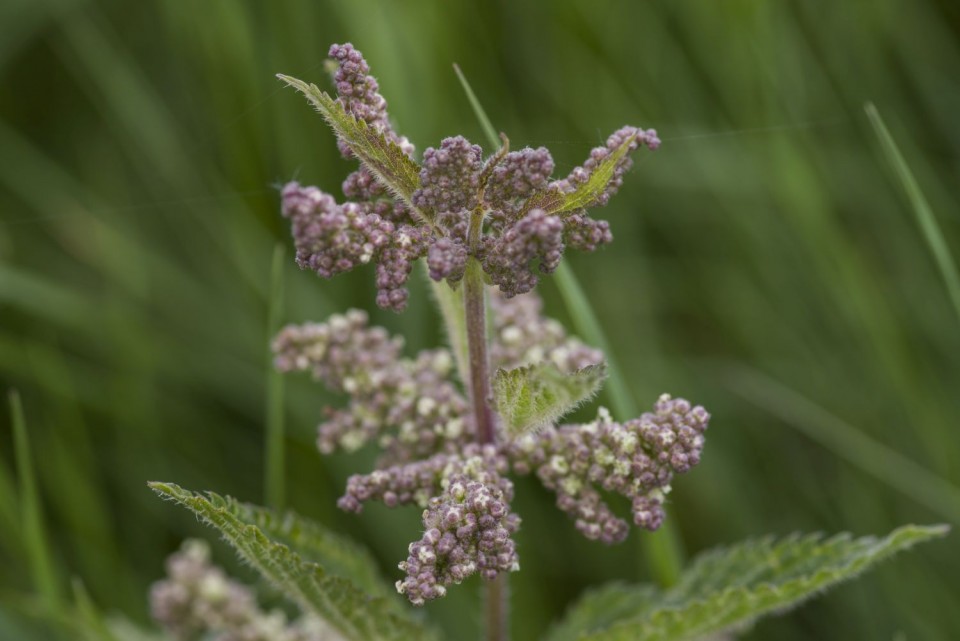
[(534, 395), (586, 194), (313, 542), (382, 156), (729, 588), (357, 615)]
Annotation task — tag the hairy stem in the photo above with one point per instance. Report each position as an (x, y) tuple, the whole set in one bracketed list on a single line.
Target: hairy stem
[(476, 317), (474, 304)]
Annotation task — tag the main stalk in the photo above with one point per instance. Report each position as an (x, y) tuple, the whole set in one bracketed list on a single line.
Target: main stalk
[(474, 304)]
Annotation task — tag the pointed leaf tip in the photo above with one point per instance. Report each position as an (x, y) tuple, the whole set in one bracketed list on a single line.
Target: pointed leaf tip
[(380, 154), (272, 545), (729, 588)]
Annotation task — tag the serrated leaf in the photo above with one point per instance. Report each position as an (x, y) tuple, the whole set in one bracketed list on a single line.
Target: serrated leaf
[(586, 194), (382, 156), (357, 615), (313, 542), (729, 588), (534, 395)]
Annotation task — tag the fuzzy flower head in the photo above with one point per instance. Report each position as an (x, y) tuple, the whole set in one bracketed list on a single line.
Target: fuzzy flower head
[(505, 212)]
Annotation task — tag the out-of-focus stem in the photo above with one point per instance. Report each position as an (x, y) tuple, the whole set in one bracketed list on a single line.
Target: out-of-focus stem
[(495, 613)]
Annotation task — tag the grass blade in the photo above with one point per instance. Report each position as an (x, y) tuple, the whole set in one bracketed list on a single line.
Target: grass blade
[(478, 110), (34, 533), (274, 481), (846, 441), (921, 208)]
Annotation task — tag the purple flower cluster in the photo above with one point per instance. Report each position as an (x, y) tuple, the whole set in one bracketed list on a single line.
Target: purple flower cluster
[(518, 176), (636, 459), (467, 520), (467, 531), (432, 461), (331, 239), (199, 598), (522, 335), (414, 396), (582, 174), (531, 245), (505, 216), (450, 177), (416, 482), (517, 240), (359, 93)]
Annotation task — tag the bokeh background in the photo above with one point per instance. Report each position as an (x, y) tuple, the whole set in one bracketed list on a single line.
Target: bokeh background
[(767, 264)]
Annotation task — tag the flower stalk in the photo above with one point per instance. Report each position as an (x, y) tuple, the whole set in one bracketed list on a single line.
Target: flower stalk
[(482, 403)]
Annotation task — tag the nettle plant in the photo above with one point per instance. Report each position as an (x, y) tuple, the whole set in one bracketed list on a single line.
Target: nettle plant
[(453, 424)]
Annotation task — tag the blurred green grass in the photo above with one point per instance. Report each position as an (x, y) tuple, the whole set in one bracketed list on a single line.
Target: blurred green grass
[(139, 148)]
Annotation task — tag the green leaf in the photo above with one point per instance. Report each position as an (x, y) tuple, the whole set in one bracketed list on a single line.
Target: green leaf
[(599, 608), (313, 542), (729, 588), (534, 395), (357, 615), (382, 156), (586, 194)]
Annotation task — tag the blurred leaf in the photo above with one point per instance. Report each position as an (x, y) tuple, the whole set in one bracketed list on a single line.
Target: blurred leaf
[(356, 614), (382, 156), (126, 630), (601, 608), (729, 588), (534, 395), (274, 451), (90, 621)]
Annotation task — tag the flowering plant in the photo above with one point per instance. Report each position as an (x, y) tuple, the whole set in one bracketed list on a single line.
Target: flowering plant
[(454, 423)]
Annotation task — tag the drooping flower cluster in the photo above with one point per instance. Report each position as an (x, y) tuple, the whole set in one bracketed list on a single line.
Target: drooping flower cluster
[(522, 221), (199, 599), (636, 459), (467, 520), (414, 396), (467, 529)]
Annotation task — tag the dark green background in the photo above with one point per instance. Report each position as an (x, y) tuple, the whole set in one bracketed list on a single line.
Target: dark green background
[(765, 257)]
